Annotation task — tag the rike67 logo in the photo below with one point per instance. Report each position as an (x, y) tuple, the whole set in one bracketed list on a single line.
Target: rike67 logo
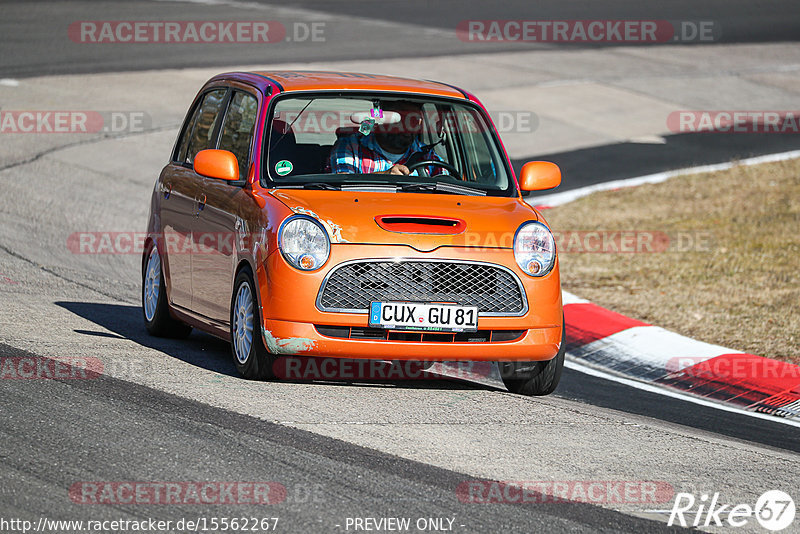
[(774, 510)]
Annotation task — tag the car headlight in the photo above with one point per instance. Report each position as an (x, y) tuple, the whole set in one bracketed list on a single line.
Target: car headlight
[(303, 242), (534, 248)]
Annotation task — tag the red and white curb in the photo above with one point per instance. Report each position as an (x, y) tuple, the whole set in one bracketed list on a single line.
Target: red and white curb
[(612, 344), (615, 347)]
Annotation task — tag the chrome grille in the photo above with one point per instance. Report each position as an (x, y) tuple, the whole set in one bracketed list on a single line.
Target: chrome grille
[(351, 286)]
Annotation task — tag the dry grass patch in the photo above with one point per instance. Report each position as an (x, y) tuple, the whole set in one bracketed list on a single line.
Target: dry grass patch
[(741, 290)]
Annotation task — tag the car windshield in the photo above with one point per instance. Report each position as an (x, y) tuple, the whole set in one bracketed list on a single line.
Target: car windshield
[(386, 143)]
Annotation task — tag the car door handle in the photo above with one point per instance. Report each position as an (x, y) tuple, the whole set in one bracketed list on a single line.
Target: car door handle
[(201, 204)]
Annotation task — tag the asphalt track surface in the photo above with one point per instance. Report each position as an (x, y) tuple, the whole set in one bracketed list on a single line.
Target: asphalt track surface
[(33, 45), (341, 450), (190, 440)]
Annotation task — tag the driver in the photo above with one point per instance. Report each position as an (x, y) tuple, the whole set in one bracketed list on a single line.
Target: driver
[(388, 149)]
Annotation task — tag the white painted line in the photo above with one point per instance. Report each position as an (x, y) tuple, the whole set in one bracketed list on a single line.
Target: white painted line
[(570, 298), (675, 395), (647, 351), (557, 199), (9, 82), (648, 140)]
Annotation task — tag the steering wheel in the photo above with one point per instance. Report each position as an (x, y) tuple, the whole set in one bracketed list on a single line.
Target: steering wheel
[(442, 164)]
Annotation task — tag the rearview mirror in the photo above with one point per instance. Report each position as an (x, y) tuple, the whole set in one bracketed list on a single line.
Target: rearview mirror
[(539, 175), (220, 164)]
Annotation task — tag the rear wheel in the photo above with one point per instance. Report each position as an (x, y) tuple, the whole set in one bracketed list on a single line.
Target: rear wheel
[(535, 378), (154, 300), (251, 357)]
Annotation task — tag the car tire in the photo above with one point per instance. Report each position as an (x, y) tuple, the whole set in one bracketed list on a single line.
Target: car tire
[(251, 357), (535, 378), (155, 309)]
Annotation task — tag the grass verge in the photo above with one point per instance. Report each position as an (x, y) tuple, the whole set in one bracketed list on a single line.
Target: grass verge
[(723, 258)]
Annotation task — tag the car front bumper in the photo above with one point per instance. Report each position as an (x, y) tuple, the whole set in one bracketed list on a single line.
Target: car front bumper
[(296, 338), (290, 316)]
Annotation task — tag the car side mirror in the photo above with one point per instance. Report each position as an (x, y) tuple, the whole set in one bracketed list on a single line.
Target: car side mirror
[(539, 175), (220, 164)]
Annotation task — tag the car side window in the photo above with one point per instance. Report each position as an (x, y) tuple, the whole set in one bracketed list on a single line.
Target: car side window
[(180, 151), (238, 127), (205, 120)]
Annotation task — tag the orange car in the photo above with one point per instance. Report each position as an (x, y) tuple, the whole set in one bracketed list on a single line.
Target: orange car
[(356, 216)]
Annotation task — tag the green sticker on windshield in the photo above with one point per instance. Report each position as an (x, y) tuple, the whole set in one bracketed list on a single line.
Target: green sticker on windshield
[(283, 167)]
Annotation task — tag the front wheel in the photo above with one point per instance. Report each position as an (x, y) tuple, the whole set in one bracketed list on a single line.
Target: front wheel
[(535, 378), (251, 357), (154, 300)]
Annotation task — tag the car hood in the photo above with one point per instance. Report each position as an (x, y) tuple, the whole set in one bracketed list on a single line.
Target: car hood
[(421, 220)]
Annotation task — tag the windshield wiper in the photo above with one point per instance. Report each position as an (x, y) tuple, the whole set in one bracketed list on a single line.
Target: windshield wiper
[(321, 185), (309, 185), (364, 187), (367, 188), (444, 187)]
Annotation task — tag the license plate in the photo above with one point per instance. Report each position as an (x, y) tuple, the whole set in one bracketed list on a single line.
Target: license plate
[(423, 316)]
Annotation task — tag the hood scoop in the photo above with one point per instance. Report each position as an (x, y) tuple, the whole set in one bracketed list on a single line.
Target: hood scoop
[(421, 224)]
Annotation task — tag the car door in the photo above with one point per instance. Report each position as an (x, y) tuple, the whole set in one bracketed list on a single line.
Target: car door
[(221, 203), (179, 186)]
